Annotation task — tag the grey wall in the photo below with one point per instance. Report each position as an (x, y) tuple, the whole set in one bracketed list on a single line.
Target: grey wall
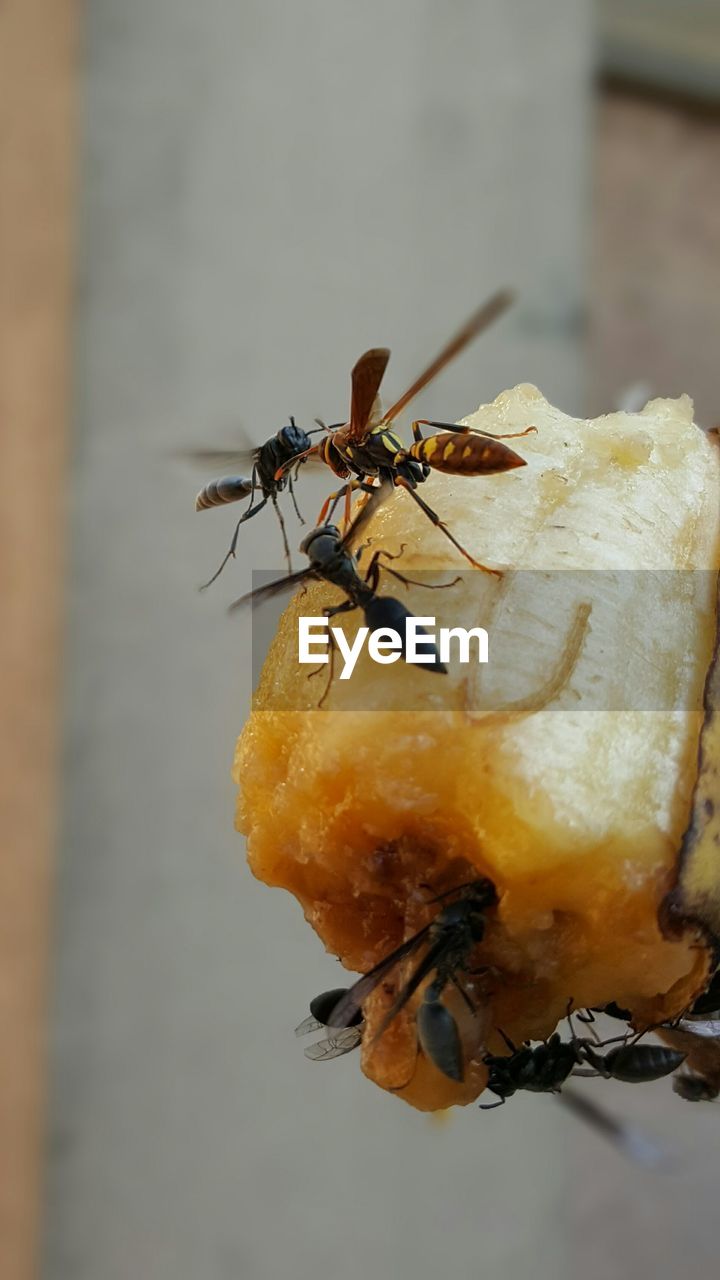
[(267, 189)]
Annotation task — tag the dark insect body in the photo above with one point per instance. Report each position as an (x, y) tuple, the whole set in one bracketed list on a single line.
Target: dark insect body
[(613, 1010), (219, 492), (540, 1070), (632, 1063), (450, 940), (273, 469), (709, 1001), (545, 1068), (367, 447), (332, 560)]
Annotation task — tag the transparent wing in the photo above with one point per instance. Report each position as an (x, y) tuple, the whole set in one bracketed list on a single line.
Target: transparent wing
[(309, 1024), (344, 1040), (288, 583), (219, 460), (706, 1030)]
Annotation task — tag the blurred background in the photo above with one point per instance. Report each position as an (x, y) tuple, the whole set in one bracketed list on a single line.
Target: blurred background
[(206, 213)]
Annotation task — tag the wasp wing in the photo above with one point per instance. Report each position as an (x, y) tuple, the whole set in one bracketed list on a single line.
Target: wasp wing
[(425, 967), (480, 320), (365, 379), (288, 583), (351, 1003), (219, 460), (375, 500)]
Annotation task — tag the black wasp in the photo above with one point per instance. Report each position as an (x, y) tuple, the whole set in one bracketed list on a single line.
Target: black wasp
[(274, 467), (332, 560), (546, 1067), (450, 940), (343, 1040)]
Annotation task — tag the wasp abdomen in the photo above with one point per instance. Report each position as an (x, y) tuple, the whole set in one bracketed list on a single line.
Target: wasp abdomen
[(220, 492), (467, 455)]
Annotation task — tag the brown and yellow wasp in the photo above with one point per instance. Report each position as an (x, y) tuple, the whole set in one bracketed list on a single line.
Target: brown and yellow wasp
[(367, 447)]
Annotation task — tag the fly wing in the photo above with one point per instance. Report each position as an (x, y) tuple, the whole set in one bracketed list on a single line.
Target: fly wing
[(348, 1007), (288, 583), (365, 379), (309, 1024), (343, 1041), (478, 321)]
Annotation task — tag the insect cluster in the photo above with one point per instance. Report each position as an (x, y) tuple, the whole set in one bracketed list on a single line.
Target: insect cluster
[(448, 949), (368, 455)]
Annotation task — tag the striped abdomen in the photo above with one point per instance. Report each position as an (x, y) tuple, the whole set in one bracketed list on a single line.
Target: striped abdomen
[(220, 492), (465, 454)]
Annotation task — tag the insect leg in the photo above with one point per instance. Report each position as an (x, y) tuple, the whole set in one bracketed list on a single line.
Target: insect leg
[(330, 504), (434, 517), (251, 511), (413, 582), (291, 490), (346, 607), (466, 431), (283, 531), (333, 499)]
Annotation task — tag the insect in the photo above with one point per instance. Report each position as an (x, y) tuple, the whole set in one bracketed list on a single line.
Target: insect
[(699, 1038), (342, 1041), (332, 560), (450, 940), (273, 469), (546, 1067), (366, 446)]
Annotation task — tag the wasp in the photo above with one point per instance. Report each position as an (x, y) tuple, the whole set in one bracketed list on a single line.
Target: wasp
[(546, 1067), (332, 560), (273, 469), (367, 446), (344, 1040), (450, 939)]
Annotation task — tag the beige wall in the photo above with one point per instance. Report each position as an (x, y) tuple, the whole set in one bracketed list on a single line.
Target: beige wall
[(37, 144)]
